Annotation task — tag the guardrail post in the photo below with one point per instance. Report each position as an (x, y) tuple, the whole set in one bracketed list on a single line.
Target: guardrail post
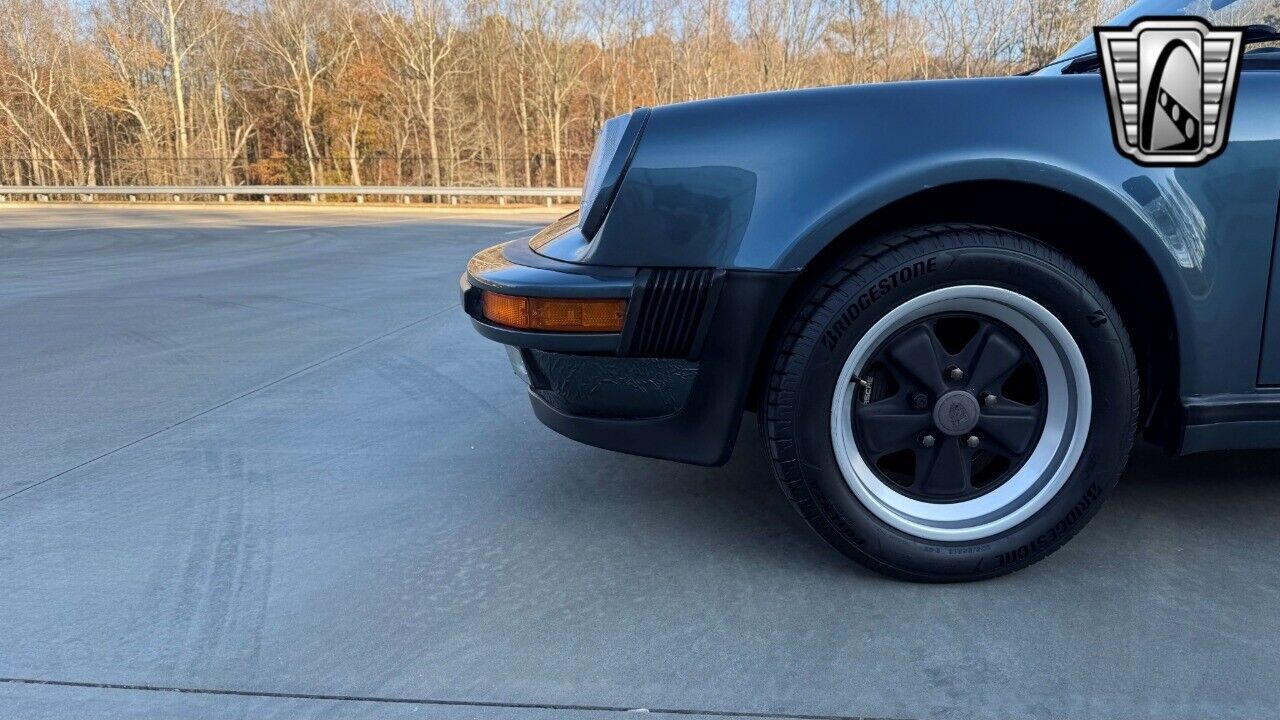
[(133, 198), (404, 199), (453, 199), (359, 199), (549, 201), (222, 198), (315, 197), (502, 200), (266, 198), (42, 198), (177, 198)]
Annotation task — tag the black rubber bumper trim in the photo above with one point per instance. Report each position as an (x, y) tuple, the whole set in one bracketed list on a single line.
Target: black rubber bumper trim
[(1230, 422), (727, 345), (1214, 409), (601, 386), (553, 342), (703, 432)]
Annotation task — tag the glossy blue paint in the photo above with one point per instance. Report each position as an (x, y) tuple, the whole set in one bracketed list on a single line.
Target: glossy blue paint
[(1269, 369), (765, 182), (609, 161)]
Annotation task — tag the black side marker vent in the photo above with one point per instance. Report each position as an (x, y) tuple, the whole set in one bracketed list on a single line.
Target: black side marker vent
[(673, 303)]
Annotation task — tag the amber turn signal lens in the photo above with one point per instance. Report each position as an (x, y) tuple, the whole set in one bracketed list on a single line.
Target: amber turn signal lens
[(554, 314)]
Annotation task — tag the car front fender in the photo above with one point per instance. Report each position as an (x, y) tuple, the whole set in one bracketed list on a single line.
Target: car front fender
[(766, 182)]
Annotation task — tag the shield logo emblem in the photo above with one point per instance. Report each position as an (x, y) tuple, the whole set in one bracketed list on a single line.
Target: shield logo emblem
[(1170, 84)]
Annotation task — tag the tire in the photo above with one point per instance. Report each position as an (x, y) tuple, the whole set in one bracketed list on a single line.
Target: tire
[(922, 469)]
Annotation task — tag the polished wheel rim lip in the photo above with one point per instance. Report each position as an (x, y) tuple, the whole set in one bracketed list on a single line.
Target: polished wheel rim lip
[(1056, 453)]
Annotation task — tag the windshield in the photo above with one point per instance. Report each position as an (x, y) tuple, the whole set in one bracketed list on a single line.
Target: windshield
[(1217, 12)]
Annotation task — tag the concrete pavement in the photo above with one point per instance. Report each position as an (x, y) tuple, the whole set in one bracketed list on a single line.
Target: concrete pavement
[(261, 455)]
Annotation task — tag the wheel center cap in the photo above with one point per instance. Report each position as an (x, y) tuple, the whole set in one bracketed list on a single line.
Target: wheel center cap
[(956, 412)]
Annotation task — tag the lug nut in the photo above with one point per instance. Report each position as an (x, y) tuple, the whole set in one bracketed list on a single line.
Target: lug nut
[(988, 399), (955, 373), (927, 441), (971, 441), (919, 401)]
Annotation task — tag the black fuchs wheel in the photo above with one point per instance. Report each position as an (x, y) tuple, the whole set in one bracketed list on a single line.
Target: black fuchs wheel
[(951, 403)]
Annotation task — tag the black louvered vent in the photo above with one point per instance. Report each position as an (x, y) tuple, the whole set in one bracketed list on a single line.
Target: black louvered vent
[(671, 310)]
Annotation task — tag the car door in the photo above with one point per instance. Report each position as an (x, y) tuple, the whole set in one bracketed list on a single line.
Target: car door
[(1260, 108)]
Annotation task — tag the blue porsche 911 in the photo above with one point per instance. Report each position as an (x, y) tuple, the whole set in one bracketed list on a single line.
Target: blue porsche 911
[(951, 304)]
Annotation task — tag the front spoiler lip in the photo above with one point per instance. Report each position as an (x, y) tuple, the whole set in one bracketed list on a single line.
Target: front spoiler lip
[(704, 429)]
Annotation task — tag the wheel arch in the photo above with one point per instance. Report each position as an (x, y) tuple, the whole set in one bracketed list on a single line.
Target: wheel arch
[(1102, 245)]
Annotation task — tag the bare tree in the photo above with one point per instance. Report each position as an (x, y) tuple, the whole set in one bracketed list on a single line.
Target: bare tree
[(557, 61), (180, 26), (489, 60), (443, 91), (232, 118), (306, 40), (784, 34), (37, 80), (419, 35)]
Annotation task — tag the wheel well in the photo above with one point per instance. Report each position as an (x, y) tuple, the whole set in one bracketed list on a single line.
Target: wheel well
[(1090, 237)]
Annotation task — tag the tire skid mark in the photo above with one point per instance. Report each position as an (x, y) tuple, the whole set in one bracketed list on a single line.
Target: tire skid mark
[(173, 353), (421, 382), (210, 601)]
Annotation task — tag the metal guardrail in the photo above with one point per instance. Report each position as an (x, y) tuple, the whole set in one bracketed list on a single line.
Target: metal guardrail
[(177, 192)]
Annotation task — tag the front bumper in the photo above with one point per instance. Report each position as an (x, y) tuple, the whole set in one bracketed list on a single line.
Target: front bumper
[(672, 384)]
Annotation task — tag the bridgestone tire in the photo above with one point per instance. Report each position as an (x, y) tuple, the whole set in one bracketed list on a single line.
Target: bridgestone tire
[(797, 418)]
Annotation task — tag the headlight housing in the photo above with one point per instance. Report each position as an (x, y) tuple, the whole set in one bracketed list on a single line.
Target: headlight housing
[(609, 161)]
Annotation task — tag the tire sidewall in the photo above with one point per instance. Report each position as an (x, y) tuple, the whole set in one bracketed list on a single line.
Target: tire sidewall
[(867, 295)]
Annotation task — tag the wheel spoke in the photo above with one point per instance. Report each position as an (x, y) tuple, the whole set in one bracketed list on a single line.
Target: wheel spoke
[(919, 354), (993, 357), (967, 357), (890, 424), (1011, 425), (945, 471)]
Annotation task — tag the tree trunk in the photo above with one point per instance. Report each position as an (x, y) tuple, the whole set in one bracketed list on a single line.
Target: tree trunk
[(179, 89)]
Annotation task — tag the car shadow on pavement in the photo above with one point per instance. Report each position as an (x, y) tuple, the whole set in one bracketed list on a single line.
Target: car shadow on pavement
[(1157, 494), (1221, 491)]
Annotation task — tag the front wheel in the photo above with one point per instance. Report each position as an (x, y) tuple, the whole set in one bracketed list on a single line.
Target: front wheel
[(951, 403)]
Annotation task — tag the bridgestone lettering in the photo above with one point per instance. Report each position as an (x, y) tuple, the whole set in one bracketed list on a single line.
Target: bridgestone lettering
[(879, 289)]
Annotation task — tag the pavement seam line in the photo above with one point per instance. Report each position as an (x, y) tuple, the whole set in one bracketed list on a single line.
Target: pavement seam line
[(235, 399), (429, 701)]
